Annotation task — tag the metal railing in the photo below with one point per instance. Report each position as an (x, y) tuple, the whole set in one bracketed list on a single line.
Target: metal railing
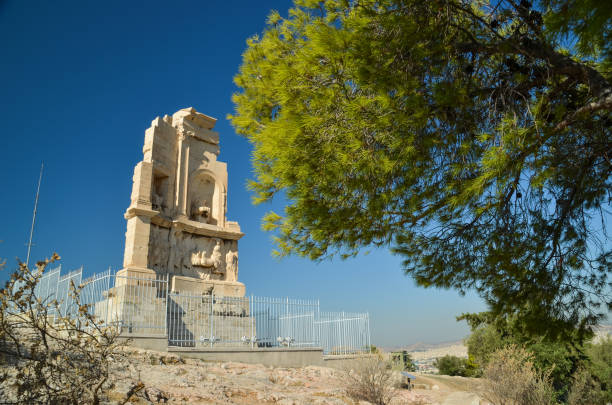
[(208, 320), (146, 306), (48, 284), (63, 293), (136, 305), (284, 322), (343, 332)]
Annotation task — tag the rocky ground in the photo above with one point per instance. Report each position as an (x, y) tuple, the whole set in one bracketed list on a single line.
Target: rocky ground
[(170, 379)]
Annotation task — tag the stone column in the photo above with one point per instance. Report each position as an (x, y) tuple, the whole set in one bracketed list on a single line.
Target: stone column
[(182, 176), (138, 217), (137, 242)]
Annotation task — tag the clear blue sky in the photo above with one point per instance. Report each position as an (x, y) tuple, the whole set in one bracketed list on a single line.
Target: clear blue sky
[(82, 80)]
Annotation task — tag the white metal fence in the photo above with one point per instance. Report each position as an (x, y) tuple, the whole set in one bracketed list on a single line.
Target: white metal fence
[(343, 332), (285, 322), (146, 306)]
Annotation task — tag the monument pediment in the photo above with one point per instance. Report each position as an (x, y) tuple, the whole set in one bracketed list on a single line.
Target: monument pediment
[(202, 120), (177, 221)]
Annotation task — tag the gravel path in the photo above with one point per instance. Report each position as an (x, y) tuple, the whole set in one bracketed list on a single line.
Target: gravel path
[(461, 398)]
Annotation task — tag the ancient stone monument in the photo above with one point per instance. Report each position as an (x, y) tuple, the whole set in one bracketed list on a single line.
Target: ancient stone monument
[(176, 221)]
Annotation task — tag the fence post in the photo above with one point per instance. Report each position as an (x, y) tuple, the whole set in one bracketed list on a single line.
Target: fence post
[(368, 331), (318, 324), (47, 292), (59, 305), (108, 298), (252, 321), (212, 298), (166, 314), (343, 333)]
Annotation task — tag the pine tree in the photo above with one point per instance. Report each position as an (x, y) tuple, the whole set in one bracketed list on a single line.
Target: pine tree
[(472, 137)]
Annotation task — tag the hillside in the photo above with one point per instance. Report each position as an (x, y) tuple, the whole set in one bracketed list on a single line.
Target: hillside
[(170, 379)]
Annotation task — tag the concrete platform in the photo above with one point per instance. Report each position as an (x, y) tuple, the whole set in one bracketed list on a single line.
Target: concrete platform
[(275, 356)]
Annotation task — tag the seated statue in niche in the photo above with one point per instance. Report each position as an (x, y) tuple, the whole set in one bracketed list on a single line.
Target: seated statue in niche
[(157, 201), (200, 211), (157, 193)]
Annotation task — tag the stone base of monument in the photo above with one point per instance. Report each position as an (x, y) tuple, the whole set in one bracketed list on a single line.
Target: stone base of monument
[(192, 285), (134, 306), (276, 356), (192, 320), (134, 275), (142, 304)]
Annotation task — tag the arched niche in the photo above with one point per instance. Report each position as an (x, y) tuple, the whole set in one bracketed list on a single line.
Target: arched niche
[(206, 198)]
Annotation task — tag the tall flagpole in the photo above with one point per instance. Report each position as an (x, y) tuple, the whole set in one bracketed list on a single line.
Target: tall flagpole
[(34, 215)]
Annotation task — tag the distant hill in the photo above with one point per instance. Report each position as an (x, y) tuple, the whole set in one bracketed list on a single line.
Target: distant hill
[(422, 346), (602, 331)]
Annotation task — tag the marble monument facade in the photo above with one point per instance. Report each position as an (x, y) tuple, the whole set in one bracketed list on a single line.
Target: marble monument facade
[(176, 221)]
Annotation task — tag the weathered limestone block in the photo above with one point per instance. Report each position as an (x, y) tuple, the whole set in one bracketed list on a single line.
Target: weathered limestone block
[(191, 285), (135, 308), (209, 321)]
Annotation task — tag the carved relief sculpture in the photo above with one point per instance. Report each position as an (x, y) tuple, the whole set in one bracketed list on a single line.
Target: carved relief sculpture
[(213, 262), (231, 263), (176, 221)]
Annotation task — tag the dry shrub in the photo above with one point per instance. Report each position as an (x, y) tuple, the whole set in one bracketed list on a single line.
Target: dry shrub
[(371, 380), (511, 379), (47, 357)]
